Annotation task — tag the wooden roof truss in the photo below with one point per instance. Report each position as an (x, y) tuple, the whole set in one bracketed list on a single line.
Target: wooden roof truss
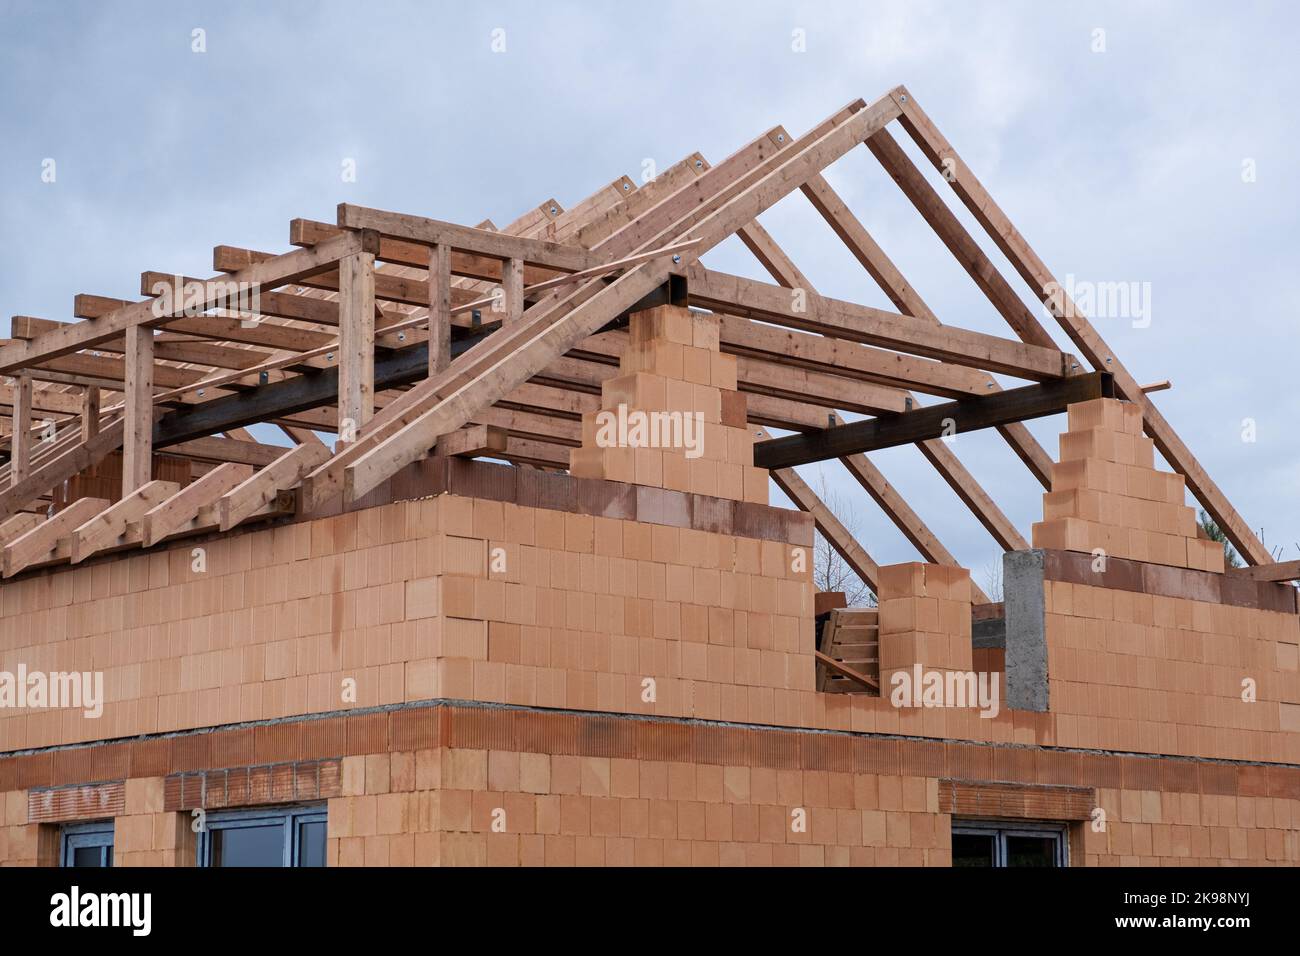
[(405, 335)]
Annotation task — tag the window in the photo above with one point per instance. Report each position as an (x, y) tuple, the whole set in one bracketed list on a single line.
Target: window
[(278, 836), (87, 844), (1006, 843)]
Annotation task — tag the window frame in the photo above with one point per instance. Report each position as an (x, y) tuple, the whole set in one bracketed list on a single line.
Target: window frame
[(1001, 829), (290, 818), (80, 836)]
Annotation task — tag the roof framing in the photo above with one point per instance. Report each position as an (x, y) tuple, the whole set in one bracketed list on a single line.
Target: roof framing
[(408, 336)]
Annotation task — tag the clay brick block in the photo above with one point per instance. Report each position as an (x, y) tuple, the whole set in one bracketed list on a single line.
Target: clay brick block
[(663, 323), (648, 467), (661, 358), (588, 462), (734, 412), (636, 390), (620, 464), (1064, 534), (675, 471), (901, 580), (722, 371), (1106, 413), (731, 481), (705, 331), (697, 366), (755, 483)]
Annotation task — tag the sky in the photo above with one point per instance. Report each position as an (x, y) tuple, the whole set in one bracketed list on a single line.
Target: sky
[(1137, 143)]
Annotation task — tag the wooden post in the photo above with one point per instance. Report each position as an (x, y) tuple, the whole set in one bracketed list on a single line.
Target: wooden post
[(137, 443), (439, 308), (356, 342), (21, 436), (512, 284), (89, 412)]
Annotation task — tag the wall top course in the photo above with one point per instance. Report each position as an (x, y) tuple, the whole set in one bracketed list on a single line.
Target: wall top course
[(1141, 577), (468, 726)]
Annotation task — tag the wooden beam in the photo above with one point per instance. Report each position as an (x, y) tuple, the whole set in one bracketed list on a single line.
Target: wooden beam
[(810, 312), (934, 422), (1075, 324), (439, 307), (281, 270), (473, 441), (177, 514), (47, 541), (907, 300), (214, 448), (89, 412), (108, 528), (356, 342), (19, 524), (43, 399), (830, 527), (21, 452), (963, 483), (698, 197), (512, 290), (1274, 571), (845, 671), (497, 245), (60, 468), (486, 378), (262, 488), (137, 441)]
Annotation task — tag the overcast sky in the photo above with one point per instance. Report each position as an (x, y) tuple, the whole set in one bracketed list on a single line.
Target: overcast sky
[(1148, 143)]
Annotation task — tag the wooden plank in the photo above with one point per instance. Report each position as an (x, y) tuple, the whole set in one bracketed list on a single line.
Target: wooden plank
[(41, 544), (843, 670), (356, 342), (178, 512), (933, 422), (262, 488), (21, 452), (137, 441), (108, 528), (1075, 324)]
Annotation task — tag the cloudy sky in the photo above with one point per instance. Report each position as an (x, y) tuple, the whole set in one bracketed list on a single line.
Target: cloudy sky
[(1150, 143)]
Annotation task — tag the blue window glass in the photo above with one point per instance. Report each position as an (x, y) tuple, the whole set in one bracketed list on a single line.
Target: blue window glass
[(87, 844), (276, 836)]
